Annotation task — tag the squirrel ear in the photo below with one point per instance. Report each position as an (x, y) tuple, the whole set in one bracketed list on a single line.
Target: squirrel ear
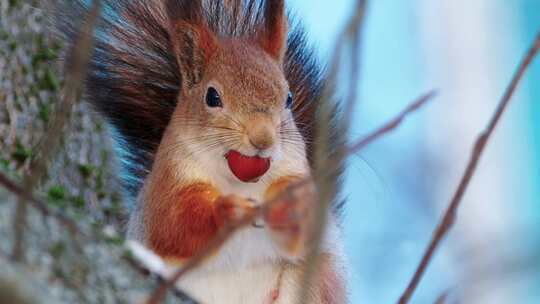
[(192, 41), (273, 37)]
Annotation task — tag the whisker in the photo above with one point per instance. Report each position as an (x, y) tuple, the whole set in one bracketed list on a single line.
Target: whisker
[(203, 140)]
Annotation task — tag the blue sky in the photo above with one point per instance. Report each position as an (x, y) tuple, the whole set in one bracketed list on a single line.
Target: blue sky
[(390, 214)]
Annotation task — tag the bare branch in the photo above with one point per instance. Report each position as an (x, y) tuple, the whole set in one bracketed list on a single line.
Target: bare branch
[(148, 263), (392, 124), (450, 215), (442, 299), (326, 168)]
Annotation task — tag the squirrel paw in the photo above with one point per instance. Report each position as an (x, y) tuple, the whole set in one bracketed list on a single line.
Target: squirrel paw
[(288, 219), (230, 209)]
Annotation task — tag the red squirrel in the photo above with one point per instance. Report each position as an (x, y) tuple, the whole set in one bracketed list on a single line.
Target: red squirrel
[(212, 105)]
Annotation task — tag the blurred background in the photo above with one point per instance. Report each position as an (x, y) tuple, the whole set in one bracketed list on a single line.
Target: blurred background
[(399, 186)]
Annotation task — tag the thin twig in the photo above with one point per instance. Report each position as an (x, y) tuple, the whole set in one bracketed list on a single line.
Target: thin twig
[(354, 31), (159, 293), (25, 195), (442, 299), (145, 271), (381, 131), (449, 217), (394, 123)]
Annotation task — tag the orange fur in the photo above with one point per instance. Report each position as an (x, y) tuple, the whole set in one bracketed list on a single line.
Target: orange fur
[(205, 41), (280, 185), (182, 227), (274, 37), (279, 215), (181, 221), (288, 216)]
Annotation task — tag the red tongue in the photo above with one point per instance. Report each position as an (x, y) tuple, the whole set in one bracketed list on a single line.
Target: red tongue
[(246, 168)]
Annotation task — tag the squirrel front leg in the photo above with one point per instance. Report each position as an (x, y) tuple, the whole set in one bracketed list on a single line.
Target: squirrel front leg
[(289, 218), (179, 225), (288, 215)]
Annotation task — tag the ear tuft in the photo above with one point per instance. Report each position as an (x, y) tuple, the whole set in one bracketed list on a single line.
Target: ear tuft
[(190, 11), (192, 41), (273, 36)]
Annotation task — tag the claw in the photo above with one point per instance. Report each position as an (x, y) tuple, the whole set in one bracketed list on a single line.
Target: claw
[(233, 208)]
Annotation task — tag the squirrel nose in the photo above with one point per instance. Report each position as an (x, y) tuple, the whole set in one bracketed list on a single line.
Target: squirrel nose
[(260, 143), (261, 135)]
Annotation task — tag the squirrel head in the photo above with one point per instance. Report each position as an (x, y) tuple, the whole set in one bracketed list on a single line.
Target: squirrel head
[(234, 99)]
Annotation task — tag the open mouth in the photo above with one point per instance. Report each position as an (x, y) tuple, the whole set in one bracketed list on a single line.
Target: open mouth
[(247, 168)]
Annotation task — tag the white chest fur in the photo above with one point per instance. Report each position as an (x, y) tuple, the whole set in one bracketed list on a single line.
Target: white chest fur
[(255, 284)]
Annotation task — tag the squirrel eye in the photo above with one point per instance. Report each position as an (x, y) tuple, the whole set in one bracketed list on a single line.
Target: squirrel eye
[(212, 98), (289, 103)]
